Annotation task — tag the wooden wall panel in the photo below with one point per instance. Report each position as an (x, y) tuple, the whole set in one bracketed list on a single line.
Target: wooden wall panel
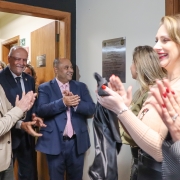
[(43, 42)]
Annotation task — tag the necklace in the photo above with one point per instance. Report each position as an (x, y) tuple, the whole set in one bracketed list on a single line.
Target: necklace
[(173, 81)]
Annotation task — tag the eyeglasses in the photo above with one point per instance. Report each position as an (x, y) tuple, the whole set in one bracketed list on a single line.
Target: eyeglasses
[(18, 59)]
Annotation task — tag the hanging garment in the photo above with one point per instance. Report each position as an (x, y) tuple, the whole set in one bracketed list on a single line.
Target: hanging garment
[(107, 140)]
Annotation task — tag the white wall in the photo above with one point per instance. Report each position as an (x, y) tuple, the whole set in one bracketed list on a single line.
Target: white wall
[(99, 20), (12, 25)]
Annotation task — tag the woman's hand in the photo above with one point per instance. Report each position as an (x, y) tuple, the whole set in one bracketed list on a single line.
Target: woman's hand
[(113, 102), (116, 85), (170, 108)]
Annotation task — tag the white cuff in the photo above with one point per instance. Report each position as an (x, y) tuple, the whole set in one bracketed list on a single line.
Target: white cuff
[(18, 124), (75, 108)]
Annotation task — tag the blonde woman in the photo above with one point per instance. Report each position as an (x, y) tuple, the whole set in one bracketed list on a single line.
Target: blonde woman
[(150, 133), (145, 69)]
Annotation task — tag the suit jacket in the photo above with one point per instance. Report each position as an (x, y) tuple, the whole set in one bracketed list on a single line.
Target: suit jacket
[(50, 106), (10, 87), (8, 117), (171, 160)]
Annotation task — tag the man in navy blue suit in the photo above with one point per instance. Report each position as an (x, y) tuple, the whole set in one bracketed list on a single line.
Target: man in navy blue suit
[(65, 105), (14, 82)]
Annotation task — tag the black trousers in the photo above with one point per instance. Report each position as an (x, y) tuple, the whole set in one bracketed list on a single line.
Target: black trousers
[(134, 167), (24, 154), (148, 168), (144, 167)]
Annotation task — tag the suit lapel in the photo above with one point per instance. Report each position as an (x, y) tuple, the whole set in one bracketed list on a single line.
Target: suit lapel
[(56, 88), (27, 83), (73, 88), (11, 81)]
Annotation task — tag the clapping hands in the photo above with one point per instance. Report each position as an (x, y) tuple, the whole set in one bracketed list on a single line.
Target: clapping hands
[(116, 85), (169, 107), (118, 98), (28, 126), (26, 102), (70, 99)]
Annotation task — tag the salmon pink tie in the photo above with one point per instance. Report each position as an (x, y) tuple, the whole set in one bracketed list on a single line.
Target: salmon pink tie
[(68, 128)]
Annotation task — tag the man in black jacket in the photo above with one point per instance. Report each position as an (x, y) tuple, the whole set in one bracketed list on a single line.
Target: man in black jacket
[(14, 82)]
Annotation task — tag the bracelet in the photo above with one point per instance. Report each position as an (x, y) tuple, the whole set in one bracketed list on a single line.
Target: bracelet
[(123, 110)]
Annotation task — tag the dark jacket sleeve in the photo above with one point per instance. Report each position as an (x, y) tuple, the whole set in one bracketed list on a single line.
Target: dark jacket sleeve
[(86, 105), (45, 106)]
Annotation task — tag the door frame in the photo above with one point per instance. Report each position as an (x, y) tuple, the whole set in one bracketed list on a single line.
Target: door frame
[(6, 46), (23, 9), (172, 7)]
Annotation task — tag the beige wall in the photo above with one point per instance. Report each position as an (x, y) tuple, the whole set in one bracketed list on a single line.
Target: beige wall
[(12, 25)]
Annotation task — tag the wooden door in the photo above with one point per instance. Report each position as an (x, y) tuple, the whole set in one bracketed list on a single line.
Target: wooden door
[(44, 48), (44, 43)]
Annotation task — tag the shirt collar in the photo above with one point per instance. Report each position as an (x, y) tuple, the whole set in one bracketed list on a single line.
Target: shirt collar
[(61, 84), (14, 75)]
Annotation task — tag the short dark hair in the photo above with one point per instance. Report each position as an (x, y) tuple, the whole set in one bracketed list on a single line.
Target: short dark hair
[(56, 62)]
